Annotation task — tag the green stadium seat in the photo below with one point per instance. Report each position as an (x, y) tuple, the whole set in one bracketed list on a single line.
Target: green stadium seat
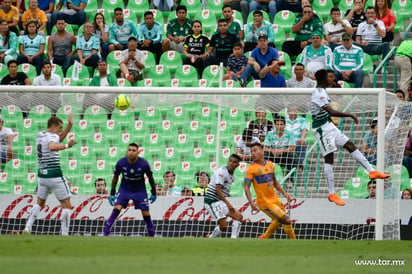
[(253, 84), (187, 75), (367, 64), (284, 19), (3, 70), (139, 6), (215, 7), (160, 75), (211, 74), (12, 115), (171, 59), (280, 35), (193, 6), (208, 19), (83, 73), (402, 8), (322, 8), (29, 69), (231, 84), (129, 14), (149, 60), (110, 5), (286, 70), (114, 57), (95, 115), (39, 115), (158, 16), (91, 8), (400, 173), (344, 5)]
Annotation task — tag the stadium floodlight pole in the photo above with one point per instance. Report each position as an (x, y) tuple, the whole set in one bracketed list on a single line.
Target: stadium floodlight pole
[(380, 164)]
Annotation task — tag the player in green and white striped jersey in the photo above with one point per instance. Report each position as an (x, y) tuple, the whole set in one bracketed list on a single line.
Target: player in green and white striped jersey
[(50, 173), (215, 199)]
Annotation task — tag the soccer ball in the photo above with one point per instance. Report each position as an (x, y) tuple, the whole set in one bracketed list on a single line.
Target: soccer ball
[(122, 102)]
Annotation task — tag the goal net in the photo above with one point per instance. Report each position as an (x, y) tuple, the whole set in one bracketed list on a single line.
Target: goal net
[(187, 130)]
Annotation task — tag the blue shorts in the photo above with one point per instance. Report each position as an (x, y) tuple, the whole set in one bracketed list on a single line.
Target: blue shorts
[(3, 157), (139, 199)]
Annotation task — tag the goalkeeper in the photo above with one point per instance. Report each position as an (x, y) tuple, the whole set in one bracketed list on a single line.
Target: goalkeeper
[(330, 137), (132, 187)]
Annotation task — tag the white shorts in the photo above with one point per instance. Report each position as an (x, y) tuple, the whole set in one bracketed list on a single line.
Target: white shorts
[(218, 210), (57, 185), (329, 138)]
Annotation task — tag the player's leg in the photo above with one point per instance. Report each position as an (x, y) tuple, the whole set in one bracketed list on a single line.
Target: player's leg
[(361, 159), (122, 199), (237, 218), (287, 222), (65, 219), (141, 202), (60, 187), (149, 223), (218, 210), (42, 194), (275, 213)]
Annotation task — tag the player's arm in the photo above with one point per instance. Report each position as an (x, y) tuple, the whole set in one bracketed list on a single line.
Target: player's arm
[(70, 122), (10, 146), (335, 113), (222, 197), (279, 188), (115, 179), (152, 184), (246, 189)]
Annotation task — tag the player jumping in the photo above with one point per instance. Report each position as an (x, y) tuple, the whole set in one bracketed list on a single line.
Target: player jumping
[(330, 137)]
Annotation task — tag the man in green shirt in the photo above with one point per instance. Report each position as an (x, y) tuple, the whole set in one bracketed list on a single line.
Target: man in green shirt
[(177, 30), (403, 60)]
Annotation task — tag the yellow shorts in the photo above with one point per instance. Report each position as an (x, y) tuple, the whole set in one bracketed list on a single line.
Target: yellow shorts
[(274, 211)]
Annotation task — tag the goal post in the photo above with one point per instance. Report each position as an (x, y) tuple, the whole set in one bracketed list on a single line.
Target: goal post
[(172, 126)]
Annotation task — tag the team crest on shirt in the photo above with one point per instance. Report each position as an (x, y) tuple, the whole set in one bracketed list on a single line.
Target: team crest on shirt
[(259, 171), (132, 170)]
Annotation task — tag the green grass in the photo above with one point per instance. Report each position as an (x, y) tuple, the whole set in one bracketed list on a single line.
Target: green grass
[(118, 255)]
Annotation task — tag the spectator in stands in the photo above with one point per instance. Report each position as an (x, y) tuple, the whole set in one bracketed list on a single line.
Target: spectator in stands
[(291, 5), (243, 145), (235, 26), (266, 5), (36, 15), (261, 126), (370, 143), (47, 6), (15, 77), (356, 15), (88, 46), (6, 143), (186, 191), (405, 111), (239, 5), (132, 62), (61, 46), (11, 15), (120, 31), (332, 83), (47, 78), (100, 186), (236, 63), (164, 5), (159, 190), (73, 12), (177, 30), (370, 33), (101, 29), (103, 79), (304, 25), (334, 29), (299, 80), (221, 44), (387, 16), (270, 75), (371, 189), (258, 59), (403, 63), (149, 34), (257, 28), (195, 48), (407, 154), (31, 47), (298, 127), (203, 179), (316, 55), (8, 43), (280, 145), (407, 194), (170, 188), (348, 61)]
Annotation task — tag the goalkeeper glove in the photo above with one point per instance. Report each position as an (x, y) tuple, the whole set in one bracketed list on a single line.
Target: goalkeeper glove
[(112, 198), (152, 198)]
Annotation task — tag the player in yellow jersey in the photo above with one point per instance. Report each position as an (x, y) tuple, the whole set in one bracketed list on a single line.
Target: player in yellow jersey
[(262, 174)]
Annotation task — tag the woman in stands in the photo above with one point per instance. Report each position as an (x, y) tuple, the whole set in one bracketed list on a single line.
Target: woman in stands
[(31, 47), (387, 16), (195, 48), (101, 29), (8, 43)]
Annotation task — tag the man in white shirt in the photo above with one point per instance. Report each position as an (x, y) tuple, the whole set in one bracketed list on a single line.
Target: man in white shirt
[(370, 33), (6, 142), (300, 81), (132, 62), (334, 29), (47, 78), (243, 145)]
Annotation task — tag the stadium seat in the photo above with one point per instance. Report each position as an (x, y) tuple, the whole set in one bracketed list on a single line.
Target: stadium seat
[(29, 69), (171, 59), (12, 115), (400, 173), (211, 74), (280, 35), (95, 115), (64, 111), (284, 19), (125, 118), (158, 16), (322, 8), (3, 70), (83, 73), (160, 74), (253, 84), (215, 6), (90, 9), (39, 115), (209, 22), (402, 8), (130, 15), (149, 60), (114, 57), (139, 7), (344, 5), (286, 70), (187, 75), (367, 64), (357, 187), (110, 5), (193, 6), (231, 84)]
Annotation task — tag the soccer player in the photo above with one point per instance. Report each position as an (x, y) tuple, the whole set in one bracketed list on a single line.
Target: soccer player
[(215, 200), (261, 173), (330, 137), (132, 187), (50, 173)]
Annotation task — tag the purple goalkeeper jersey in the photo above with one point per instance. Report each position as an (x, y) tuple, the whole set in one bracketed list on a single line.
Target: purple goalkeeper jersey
[(133, 174)]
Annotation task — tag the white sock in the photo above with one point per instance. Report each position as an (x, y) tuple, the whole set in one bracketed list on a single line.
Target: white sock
[(215, 233), (235, 229), (330, 178), (65, 221), (35, 210), (360, 158)]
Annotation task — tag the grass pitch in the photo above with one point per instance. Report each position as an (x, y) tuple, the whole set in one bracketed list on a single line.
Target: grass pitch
[(118, 255)]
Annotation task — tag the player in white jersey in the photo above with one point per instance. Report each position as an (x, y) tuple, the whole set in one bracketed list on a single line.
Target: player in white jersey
[(6, 142), (215, 199), (50, 174), (330, 137)]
